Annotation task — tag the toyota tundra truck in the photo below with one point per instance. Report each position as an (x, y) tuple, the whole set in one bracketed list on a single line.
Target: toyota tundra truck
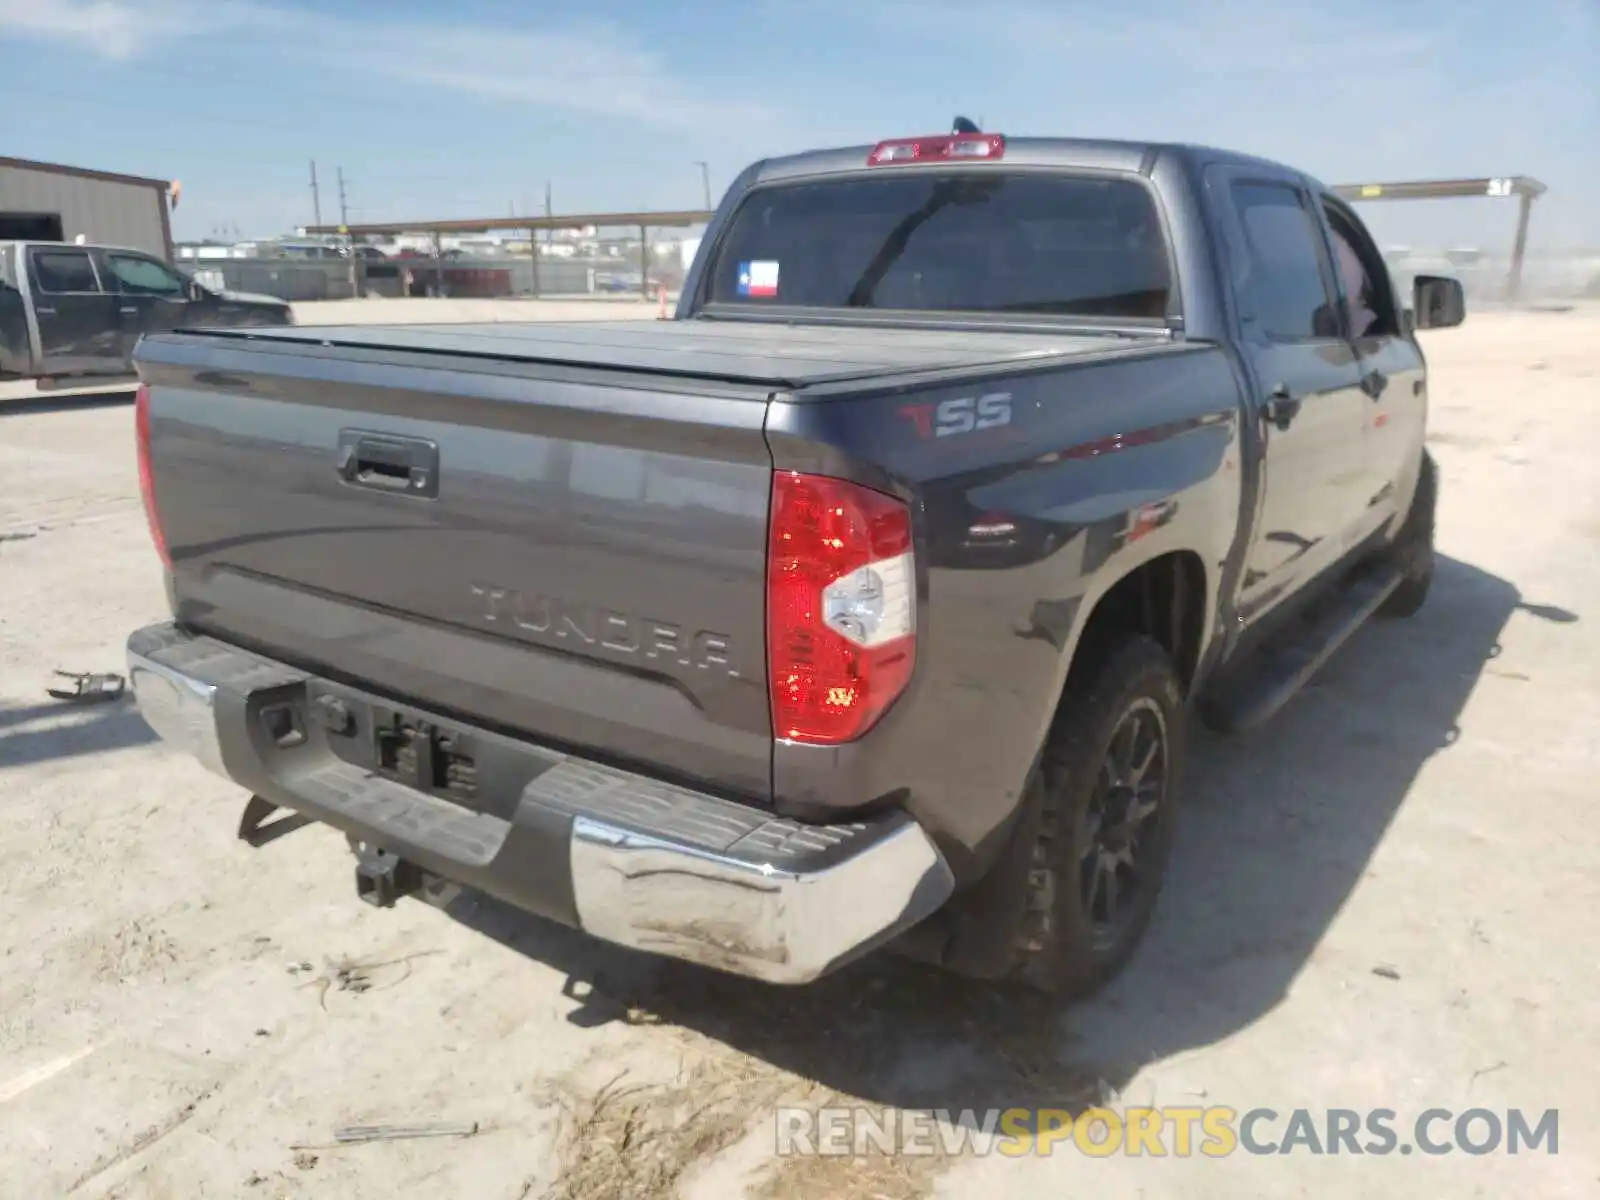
[(863, 604)]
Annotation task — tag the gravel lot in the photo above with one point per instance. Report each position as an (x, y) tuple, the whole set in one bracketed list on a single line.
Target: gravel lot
[(183, 1016)]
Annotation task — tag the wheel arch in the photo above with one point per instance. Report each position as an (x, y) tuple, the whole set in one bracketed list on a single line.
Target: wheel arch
[(1168, 598)]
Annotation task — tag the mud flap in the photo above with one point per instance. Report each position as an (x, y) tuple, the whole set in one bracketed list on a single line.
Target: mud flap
[(985, 921)]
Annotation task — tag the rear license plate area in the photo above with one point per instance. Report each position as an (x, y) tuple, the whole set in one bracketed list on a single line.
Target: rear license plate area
[(477, 769), (426, 756)]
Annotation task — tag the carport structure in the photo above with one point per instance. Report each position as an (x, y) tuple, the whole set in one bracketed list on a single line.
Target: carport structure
[(642, 221), (1526, 188)]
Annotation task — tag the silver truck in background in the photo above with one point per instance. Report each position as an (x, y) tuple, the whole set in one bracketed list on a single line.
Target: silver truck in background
[(71, 310)]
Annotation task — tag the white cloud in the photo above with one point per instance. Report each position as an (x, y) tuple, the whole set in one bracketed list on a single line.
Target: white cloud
[(117, 29), (587, 69), (591, 69), (1225, 39), (1362, 90)]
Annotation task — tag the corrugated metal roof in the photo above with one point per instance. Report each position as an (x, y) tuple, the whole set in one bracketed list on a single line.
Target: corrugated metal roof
[(44, 168)]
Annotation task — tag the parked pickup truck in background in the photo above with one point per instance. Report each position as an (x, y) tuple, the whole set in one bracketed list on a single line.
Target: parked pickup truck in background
[(68, 310), (866, 602)]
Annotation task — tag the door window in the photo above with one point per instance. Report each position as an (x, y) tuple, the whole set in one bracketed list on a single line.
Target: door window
[(1284, 284), (63, 271), (140, 276), (1363, 281)]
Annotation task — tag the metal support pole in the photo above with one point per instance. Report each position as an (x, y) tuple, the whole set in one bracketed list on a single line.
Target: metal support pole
[(438, 265), (1519, 247), (533, 255), (549, 211), (644, 261)]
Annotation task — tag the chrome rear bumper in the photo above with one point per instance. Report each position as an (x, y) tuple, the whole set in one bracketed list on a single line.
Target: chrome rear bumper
[(630, 859)]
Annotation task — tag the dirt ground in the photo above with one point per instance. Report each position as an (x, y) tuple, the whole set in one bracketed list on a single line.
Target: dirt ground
[(182, 1016)]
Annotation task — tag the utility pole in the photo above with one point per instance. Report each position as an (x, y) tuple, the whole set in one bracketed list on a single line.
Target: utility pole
[(705, 180), (357, 288), (316, 197)]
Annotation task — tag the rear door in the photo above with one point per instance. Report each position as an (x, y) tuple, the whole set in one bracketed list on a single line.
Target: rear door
[(1307, 380), (153, 298), (1392, 376), (80, 329)]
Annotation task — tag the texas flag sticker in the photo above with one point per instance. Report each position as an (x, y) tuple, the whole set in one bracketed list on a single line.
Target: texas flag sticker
[(758, 279)]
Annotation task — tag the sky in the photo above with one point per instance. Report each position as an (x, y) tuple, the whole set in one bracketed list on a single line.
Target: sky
[(473, 107)]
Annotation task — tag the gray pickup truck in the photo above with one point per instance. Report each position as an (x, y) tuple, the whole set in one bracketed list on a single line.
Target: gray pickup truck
[(77, 311), (864, 604)]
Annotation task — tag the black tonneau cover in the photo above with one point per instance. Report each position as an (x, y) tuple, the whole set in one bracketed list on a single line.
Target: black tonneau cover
[(736, 351)]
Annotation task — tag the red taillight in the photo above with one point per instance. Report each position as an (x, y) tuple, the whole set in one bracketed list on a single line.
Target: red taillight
[(141, 433), (841, 607), (946, 147)]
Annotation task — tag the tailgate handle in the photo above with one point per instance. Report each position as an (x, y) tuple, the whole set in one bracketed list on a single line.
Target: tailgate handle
[(387, 462)]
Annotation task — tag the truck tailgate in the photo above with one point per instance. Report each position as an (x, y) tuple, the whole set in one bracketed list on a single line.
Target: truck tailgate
[(572, 555)]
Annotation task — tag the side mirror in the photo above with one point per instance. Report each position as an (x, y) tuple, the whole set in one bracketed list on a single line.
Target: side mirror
[(1440, 302), (1325, 322)]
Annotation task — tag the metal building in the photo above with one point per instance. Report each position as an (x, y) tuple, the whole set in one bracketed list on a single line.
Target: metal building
[(48, 202)]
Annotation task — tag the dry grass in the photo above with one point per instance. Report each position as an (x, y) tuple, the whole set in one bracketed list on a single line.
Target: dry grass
[(854, 1039), (872, 1176), (637, 1142)]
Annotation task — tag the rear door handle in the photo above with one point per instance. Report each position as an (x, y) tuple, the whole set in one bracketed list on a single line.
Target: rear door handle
[(130, 310), (1281, 407), (387, 462), (44, 312), (1373, 383)]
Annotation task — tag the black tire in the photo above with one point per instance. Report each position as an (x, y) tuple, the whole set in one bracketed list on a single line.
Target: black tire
[(1064, 946), (1414, 546)]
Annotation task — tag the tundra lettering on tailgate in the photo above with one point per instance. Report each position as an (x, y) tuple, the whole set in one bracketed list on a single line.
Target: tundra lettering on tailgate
[(555, 621)]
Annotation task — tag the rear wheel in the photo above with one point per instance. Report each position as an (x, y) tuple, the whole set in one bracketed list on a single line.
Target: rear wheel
[(1106, 791)]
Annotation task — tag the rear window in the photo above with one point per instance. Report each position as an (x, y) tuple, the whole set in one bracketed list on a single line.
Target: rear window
[(62, 271), (992, 242)]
